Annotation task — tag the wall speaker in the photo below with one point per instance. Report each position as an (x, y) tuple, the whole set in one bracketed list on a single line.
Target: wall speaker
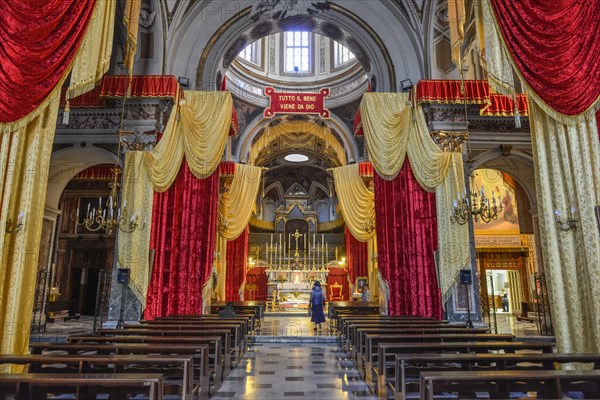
[(465, 277), (123, 276)]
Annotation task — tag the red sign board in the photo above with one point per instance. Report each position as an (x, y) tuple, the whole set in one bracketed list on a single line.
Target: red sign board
[(296, 103)]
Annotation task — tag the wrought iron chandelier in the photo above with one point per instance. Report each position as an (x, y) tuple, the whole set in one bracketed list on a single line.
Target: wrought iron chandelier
[(111, 216), (475, 204)]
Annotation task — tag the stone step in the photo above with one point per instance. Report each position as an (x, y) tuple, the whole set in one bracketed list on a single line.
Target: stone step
[(292, 339)]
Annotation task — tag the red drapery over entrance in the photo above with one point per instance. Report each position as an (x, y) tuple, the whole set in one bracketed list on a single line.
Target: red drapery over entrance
[(237, 256), (38, 42), (184, 227), (407, 238), (357, 258), (555, 45), (338, 277)]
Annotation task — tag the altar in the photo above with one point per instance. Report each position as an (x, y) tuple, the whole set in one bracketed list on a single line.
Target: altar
[(292, 288)]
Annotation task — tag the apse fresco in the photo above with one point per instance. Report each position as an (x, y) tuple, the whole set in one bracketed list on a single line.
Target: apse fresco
[(502, 186)]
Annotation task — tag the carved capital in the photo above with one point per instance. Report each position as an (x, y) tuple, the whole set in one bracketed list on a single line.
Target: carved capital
[(450, 141)]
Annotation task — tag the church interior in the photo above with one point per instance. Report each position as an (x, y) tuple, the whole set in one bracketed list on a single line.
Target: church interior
[(275, 199)]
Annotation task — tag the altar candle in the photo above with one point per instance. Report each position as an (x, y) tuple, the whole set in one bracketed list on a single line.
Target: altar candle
[(305, 242), (271, 242)]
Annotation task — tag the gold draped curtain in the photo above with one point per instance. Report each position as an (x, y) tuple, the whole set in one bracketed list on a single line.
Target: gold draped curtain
[(133, 247), (394, 128), (567, 169), (235, 208), (25, 149), (198, 128), (456, 22), (494, 57), (131, 19), (357, 203), (93, 59), (24, 162)]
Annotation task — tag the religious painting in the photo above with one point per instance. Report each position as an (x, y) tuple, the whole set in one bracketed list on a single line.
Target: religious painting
[(499, 186)]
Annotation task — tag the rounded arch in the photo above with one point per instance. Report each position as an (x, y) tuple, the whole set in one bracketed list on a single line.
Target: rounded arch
[(343, 136), (66, 163), (210, 33), (518, 164)]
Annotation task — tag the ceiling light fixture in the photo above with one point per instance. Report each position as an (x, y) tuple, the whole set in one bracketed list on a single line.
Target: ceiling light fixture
[(296, 158)]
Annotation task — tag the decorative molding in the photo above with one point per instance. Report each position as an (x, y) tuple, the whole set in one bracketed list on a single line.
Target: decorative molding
[(322, 46), (450, 141), (138, 140)]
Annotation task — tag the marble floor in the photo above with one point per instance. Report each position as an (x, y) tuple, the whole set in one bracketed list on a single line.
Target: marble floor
[(273, 371), (292, 325)]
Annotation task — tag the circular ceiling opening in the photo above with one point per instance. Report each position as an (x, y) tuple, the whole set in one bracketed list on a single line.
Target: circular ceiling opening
[(296, 158)]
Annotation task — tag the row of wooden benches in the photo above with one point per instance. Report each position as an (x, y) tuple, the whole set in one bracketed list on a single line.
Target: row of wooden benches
[(406, 356), (185, 355)]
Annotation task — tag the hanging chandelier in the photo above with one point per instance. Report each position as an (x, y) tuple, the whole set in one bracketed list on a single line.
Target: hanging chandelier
[(477, 205), (111, 216)]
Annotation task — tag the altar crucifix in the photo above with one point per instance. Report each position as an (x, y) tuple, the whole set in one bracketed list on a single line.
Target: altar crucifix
[(297, 263)]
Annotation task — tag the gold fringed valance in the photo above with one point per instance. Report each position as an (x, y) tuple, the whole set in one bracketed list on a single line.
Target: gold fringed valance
[(386, 117), (198, 128), (93, 58), (356, 202), (393, 129), (133, 247)]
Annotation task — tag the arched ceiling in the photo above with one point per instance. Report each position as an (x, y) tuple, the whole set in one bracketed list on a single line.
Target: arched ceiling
[(384, 35), (280, 137)]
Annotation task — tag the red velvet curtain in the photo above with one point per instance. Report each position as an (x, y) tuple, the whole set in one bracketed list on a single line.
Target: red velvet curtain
[(406, 239), (38, 42), (555, 44), (237, 256), (338, 276), (357, 257), (184, 228)]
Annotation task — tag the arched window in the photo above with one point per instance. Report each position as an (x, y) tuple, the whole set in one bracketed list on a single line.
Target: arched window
[(297, 52), (341, 54)]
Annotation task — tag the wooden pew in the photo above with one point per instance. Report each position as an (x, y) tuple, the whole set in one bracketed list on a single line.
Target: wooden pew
[(370, 350), (177, 370), (246, 321), (29, 386), (358, 332), (132, 336), (249, 319), (409, 366), (239, 338), (215, 342), (200, 352), (549, 384), (348, 326), (388, 351), (356, 307), (258, 307)]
